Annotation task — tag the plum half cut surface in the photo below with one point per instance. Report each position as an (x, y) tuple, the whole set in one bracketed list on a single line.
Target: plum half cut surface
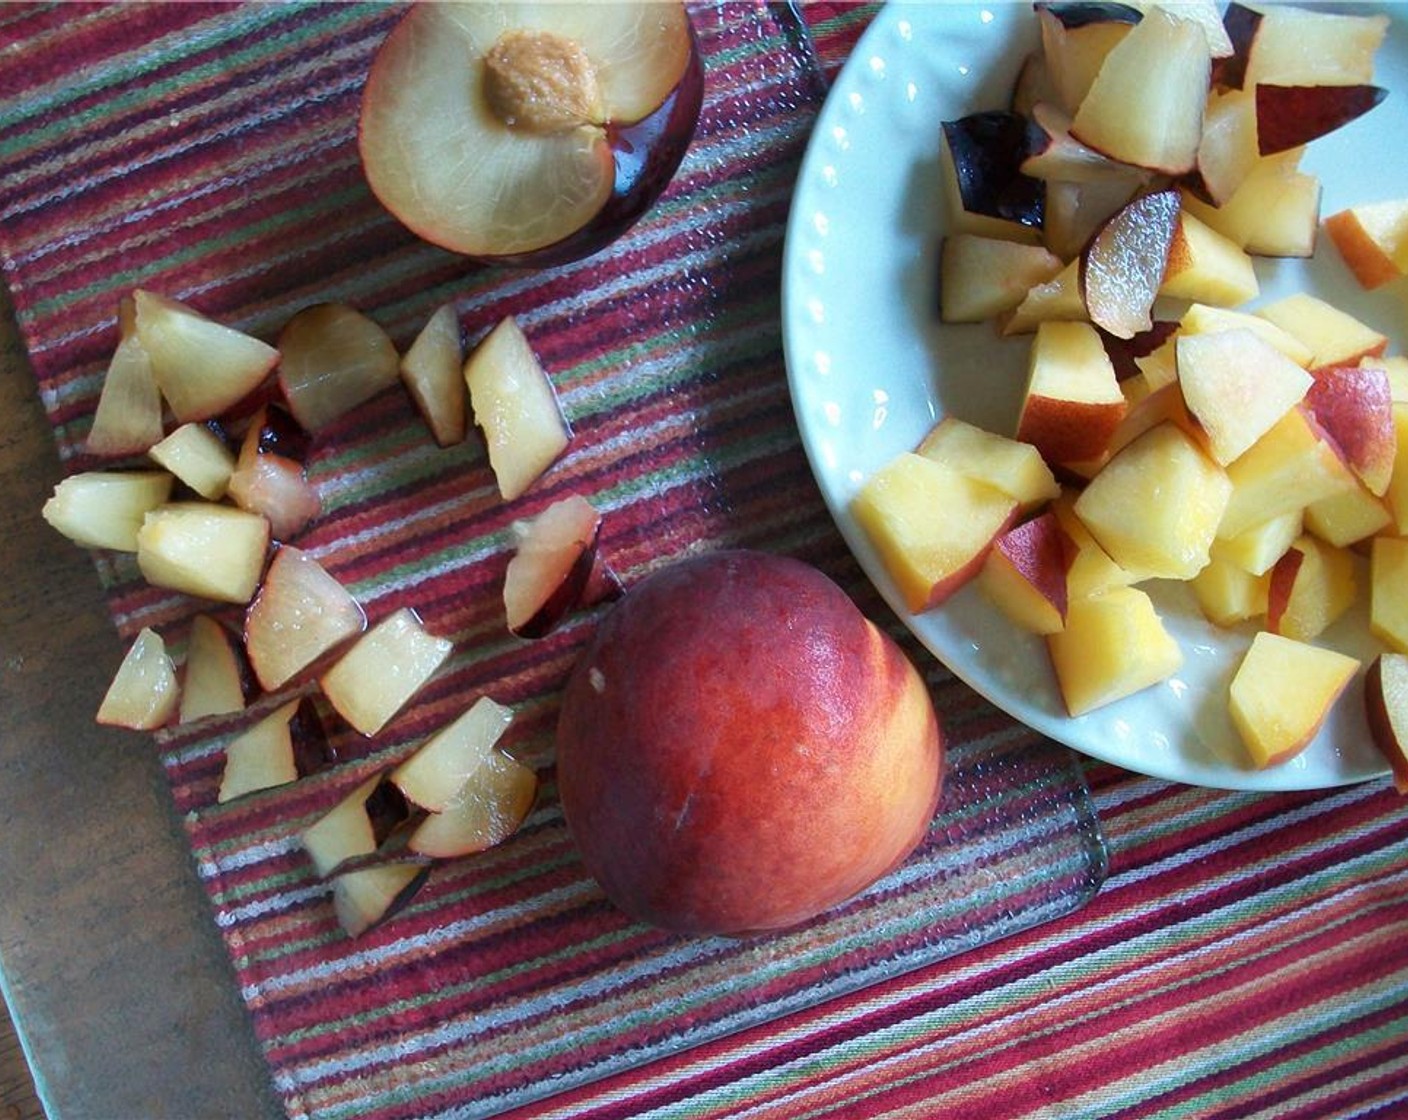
[(529, 133)]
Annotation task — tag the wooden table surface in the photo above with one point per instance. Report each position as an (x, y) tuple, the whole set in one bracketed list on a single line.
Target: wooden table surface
[(18, 1100)]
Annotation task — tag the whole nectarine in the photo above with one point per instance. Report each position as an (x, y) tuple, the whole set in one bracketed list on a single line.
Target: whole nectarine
[(740, 748)]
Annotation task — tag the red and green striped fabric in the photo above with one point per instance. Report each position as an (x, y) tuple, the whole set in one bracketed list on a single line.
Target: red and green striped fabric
[(1246, 955)]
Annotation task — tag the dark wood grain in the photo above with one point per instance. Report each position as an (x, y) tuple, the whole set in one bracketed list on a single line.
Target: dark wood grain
[(113, 966), (18, 1098)]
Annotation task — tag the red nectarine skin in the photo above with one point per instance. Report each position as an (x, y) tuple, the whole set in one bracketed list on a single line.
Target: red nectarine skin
[(1043, 552), (1354, 406), (740, 749), (1283, 581), (1383, 726)]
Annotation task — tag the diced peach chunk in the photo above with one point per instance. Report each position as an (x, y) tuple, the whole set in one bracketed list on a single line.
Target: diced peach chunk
[(931, 525), (1113, 646), (1281, 693)]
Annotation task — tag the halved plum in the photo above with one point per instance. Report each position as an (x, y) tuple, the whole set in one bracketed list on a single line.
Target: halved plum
[(529, 133)]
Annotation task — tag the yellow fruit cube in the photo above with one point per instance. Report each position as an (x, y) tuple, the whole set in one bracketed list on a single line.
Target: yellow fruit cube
[(1281, 693), (1228, 594), (1312, 585), (1388, 591), (1113, 646), (1289, 467), (931, 525), (1156, 505), (1015, 468)]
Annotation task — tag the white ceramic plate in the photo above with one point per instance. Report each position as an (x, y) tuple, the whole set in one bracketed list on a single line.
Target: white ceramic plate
[(871, 370)]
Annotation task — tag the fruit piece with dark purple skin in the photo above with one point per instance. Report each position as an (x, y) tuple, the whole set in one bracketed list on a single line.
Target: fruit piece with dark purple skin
[(529, 135), (353, 830), (988, 194), (548, 572), (366, 897), (280, 748)]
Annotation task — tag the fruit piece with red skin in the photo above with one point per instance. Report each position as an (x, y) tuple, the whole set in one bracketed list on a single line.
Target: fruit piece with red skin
[(739, 748), (1354, 405), (435, 774), (528, 134), (930, 558), (433, 372), (1200, 318), (981, 277), (300, 615), (1373, 240), (1281, 693), (1123, 266), (128, 420), (548, 571), (490, 807), (203, 368), (1207, 267), (333, 359), (516, 407), (1273, 212), (1015, 468), (1334, 337), (1293, 464), (1292, 116), (1236, 386), (213, 680), (1155, 507), (268, 481), (1025, 573), (1114, 644), (144, 691), (1348, 517), (1311, 586), (1386, 706), (1092, 571), (1072, 403)]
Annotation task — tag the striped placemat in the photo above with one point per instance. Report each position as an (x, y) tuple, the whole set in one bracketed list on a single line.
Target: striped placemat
[(208, 152)]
